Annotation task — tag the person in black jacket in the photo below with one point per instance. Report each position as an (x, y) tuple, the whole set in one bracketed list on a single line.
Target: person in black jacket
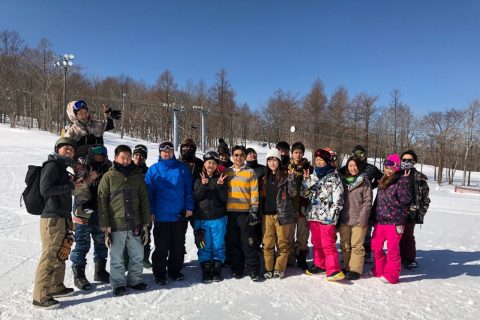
[(418, 209), (210, 220), (56, 187), (140, 154), (252, 162)]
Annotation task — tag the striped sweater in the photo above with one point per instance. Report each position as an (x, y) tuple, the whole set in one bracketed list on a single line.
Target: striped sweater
[(242, 189)]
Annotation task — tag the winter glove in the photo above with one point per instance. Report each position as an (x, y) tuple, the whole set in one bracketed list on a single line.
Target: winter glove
[(114, 114), (252, 219), (199, 238), (145, 236), (66, 247)]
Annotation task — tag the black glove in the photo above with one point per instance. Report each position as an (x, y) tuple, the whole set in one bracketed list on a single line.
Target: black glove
[(199, 238), (252, 219), (114, 114)]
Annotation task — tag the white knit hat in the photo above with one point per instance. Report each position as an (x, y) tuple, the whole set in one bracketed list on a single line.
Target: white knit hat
[(274, 153)]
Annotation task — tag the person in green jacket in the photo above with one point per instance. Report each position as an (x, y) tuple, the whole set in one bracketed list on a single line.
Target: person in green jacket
[(124, 211)]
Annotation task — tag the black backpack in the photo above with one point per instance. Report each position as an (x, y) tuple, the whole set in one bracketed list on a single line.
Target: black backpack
[(32, 198)]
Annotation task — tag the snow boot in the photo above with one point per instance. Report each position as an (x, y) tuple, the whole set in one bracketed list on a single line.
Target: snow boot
[(217, 271), (206, 271), (79, 278), (302, 260), (100, 273)]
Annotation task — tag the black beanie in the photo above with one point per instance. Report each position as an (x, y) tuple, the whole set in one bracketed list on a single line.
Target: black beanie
[(283, 145)]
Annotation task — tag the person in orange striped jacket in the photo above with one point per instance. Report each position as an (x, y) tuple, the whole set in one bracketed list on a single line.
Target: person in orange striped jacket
[(242, 210)]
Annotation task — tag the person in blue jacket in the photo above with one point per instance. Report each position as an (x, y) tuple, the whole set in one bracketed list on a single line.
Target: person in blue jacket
[(169, 183)]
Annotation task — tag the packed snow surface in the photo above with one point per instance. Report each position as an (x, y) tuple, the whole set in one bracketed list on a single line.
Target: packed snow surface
[(445, 286)]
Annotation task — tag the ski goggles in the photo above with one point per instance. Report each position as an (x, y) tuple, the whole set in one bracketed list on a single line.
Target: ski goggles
[(140, 148), (98, 151), (166, 145), (212, 155), (390, 163), (408, 160), (80, 104), (359, 154)]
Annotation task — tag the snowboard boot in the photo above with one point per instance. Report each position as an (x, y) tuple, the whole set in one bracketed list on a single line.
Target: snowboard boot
[(79, 278), (302, 260), (100, 273), (217, 271), (206, 272)]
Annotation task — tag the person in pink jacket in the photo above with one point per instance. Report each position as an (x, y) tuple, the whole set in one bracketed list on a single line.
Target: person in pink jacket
[(390, 208)]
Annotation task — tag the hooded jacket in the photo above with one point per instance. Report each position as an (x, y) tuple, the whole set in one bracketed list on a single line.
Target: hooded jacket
[(86, 134), (56, 188), (170, 186), (357, 202), (325, 197), (123, 200)]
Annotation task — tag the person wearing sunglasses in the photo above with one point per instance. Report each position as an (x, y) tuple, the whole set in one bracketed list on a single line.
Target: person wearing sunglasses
[(85, 218), (391, 206), (169, 183), (86, 131), (243, 242), (418, 209)]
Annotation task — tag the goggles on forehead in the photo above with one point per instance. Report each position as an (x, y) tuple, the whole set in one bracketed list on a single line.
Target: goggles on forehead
[(98, 150), (390, 163), (140, 148), (80, 104), (211, 156), (166, 145)]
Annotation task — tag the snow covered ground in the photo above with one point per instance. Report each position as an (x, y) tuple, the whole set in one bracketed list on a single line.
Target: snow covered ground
[(445, 286)]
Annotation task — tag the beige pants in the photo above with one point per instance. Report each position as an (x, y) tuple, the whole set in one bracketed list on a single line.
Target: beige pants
[(353, 252), (275, 234), (50, 271), (302, 234)]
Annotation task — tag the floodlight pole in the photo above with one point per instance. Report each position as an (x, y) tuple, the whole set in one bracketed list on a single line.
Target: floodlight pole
[(123, 114), (203, 112), (65, 62)]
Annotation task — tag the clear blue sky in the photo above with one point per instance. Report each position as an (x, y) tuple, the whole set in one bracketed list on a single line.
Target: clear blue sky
[(428, 49)]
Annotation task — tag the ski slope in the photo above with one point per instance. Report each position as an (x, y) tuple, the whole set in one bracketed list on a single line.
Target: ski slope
[(445, 286)]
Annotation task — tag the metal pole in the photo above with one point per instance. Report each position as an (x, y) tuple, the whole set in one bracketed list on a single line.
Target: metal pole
[(65, 97), (175, 129), (203, 131), (123, 114)]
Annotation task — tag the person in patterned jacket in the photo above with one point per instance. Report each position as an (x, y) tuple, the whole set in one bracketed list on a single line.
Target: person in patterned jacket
[(418, 208), (391, 208), (324, 190)]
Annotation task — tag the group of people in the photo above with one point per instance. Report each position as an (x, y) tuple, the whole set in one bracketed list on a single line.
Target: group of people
[(253, 219)]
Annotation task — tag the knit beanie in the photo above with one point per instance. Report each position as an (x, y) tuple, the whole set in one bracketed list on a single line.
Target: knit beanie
[(324, 154), (393, 161)]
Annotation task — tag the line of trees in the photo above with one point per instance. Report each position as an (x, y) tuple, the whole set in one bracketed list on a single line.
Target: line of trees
[(31, 95)]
